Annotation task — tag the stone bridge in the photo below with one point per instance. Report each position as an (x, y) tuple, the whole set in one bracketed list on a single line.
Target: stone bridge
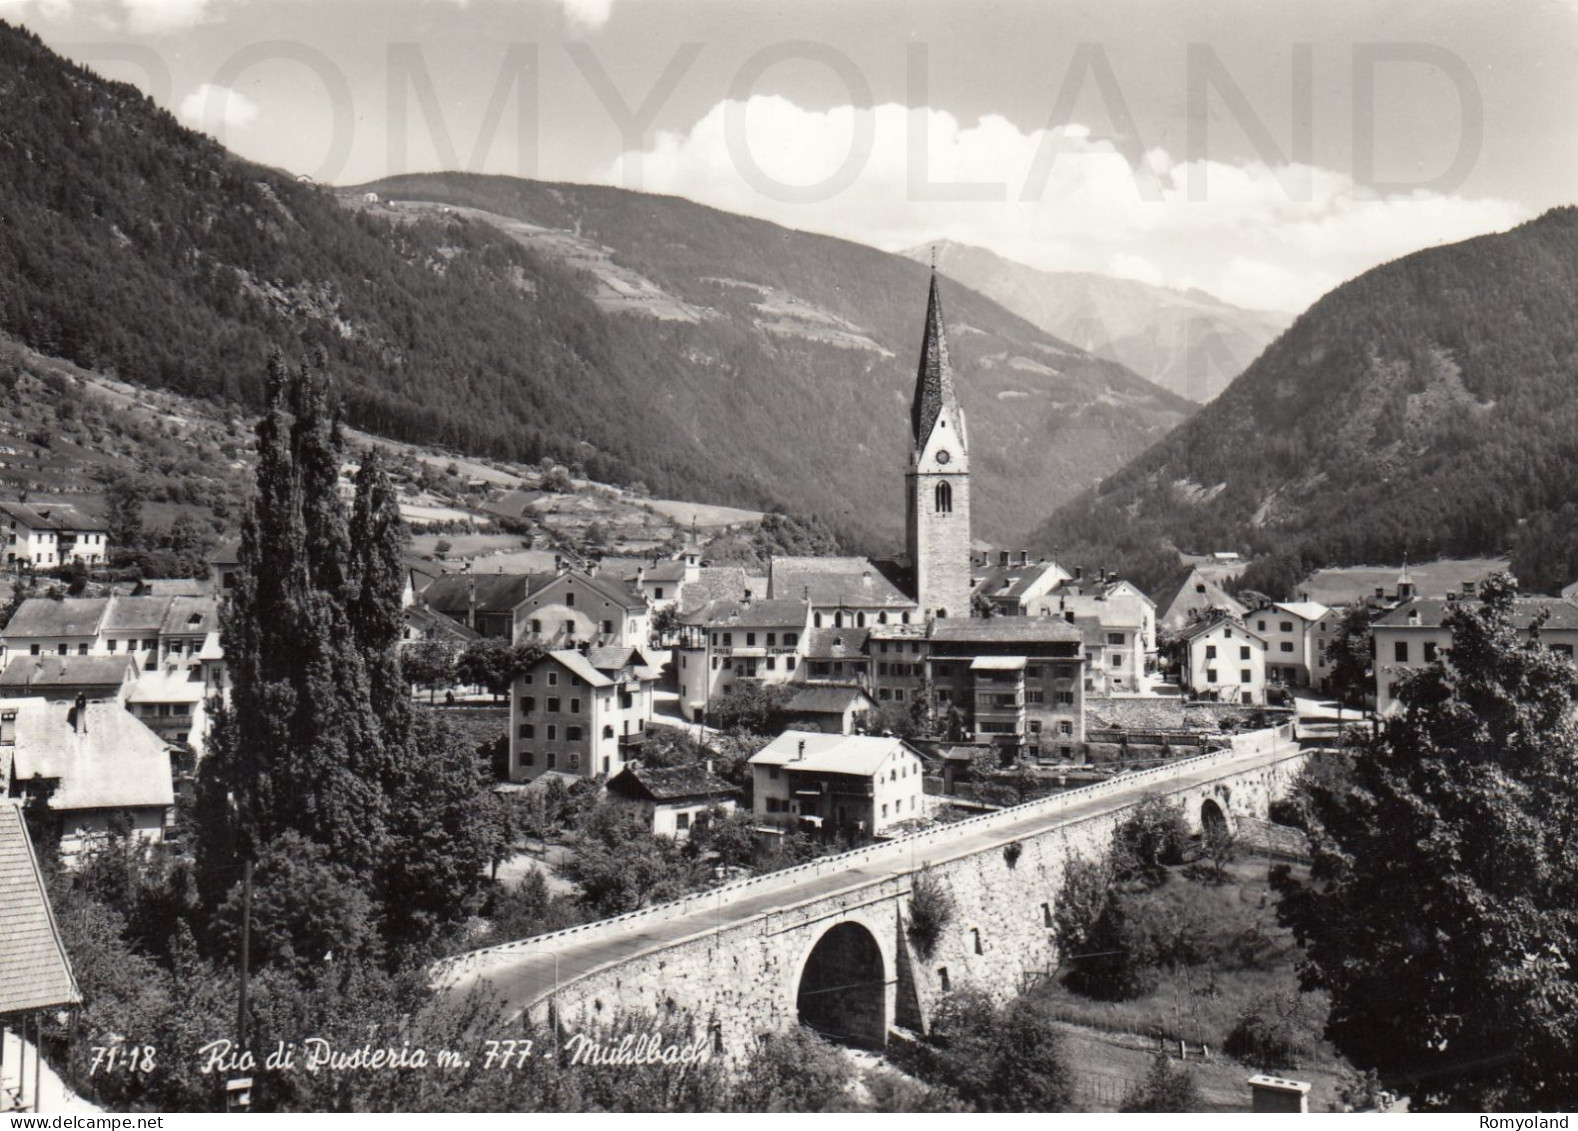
[(824, 943)]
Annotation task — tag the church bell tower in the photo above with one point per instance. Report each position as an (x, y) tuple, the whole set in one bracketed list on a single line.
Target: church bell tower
[(938, 481)]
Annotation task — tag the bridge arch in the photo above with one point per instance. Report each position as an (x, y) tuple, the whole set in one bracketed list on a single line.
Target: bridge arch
[(1212, 818), (843, 988)]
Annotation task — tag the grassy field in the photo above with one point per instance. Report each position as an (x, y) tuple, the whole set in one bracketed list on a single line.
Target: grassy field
[(1431, 579), (703, 514)]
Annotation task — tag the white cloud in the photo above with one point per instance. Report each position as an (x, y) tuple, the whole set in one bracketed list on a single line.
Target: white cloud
[(586, 15), (1257, 236), (140, 16), (163, 15), (217, 109)]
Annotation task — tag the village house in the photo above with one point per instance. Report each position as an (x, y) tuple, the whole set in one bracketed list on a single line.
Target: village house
[(582, 713), (726, 641), (156, 632), (224, 566), (420, 625), (1295, 636), (1224, 661), (66, 678), (858, 784), (1413, 635), (672, 798), (51, 535), (1114, 624), (1008, 588), (828, 708), (898, 662), (1017, 682), (93, 767), (576, 608), (1189, 596), (838, 655)]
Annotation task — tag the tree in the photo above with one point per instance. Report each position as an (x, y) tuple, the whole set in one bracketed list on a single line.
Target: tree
[(1351, 653), (666, 622), (124, 499), (1164, 1089), (492, 663), (1149, 839), (430, 664), (621, 866), (1438, 912), (793, 1071), (751, 706), (997, 1059)]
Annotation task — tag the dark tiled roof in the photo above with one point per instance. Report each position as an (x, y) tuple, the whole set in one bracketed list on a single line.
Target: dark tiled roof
[(755, 614), (228, 554), (823, 700), (1563, 614), (34, 970), (995, 629), (1210, 624), (51, 516), (137, 614), (664, 571), (718, 583), (615, 592), (670, 783), (833, 582), (496, 592), (437, 624), (72, 616), (836, 643), (67, 671), (1012, 581), (190, 615)]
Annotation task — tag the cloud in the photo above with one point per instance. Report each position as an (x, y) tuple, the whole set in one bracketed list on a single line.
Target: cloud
[(153, 16), (586, 15), (1262, 237), (140, 16), (217, 109)]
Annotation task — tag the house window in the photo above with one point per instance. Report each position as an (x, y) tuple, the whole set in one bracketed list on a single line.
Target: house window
[(1400, 651), (1210, 651), (1115, 638), (750, 639), (569, 628), (1035, 726), (1065, 698), (553, 679), (569, 600), (1210, 675), (572, 734), (608, 628), (61, 649), (1430, 650), (975, 939), (942, 978), (527, 758), (1030, 696), (1261, 625), (575, 706), (1115, 660), (110, 644), (1287, 646), (772, 663), (528, 704), (943, 499), (791, 639), (657, 594), (528, 730), (553, 732), (1243, 653), (682, 822), (1065, 727), (898, 695), (34, 649), (1286, 626), (553, 706), (772, 639), (1246, 676), (790, 664)]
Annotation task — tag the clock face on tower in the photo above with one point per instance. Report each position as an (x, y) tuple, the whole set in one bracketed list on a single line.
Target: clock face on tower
[(943, 456)]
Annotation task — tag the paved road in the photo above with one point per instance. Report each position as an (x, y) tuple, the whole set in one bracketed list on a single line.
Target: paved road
[(524, 975)]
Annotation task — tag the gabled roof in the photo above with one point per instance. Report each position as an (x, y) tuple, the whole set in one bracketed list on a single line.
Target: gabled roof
[(664, 571), (615, 592), (35, 972), (827, 700), (719, 583), (854, 583), (836, 643), (144, 615), (814, 751), (579, 665), (751, 614), (190, 616), (496, 592), (107, 760), (1202, 627), (434, 623), (1011, 581), (670, 783), (176, 686), (51, 516), (172, 587), (67, 671), (1563, 614), (1165, 597), (228, 554), (44, 616), (1311, 611), (1000, 629)]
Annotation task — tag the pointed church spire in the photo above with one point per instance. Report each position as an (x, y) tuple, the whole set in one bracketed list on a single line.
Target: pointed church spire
[(934, 382)]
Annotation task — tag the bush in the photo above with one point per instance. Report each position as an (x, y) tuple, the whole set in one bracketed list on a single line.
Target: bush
[(931, 910), (1164, 1089), (1007, 1059), (1152, 837), (1273, 1033)]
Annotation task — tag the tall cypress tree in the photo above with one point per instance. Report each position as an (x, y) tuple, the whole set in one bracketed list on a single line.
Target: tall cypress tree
[(300, 746)]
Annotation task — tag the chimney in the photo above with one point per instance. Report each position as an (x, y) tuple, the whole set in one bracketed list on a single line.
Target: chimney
[(865, 578), (641, 574), (1079, 573), (1024, 557), (8, 727), (1468, 588), (1002, 557), (1380, 593), (800, 752)]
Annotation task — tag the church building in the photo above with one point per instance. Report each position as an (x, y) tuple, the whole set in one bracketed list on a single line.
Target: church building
[(938, 481)]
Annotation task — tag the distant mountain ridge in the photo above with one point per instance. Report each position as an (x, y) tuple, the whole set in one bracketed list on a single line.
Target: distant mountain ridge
[(1188, 342), (637, 338), (792, 355), (1424, 409)]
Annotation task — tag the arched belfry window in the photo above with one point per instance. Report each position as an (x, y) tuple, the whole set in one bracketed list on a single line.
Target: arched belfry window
[(944, 498)]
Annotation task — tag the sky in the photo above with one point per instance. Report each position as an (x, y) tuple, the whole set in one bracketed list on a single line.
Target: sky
[(1261, 150)]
